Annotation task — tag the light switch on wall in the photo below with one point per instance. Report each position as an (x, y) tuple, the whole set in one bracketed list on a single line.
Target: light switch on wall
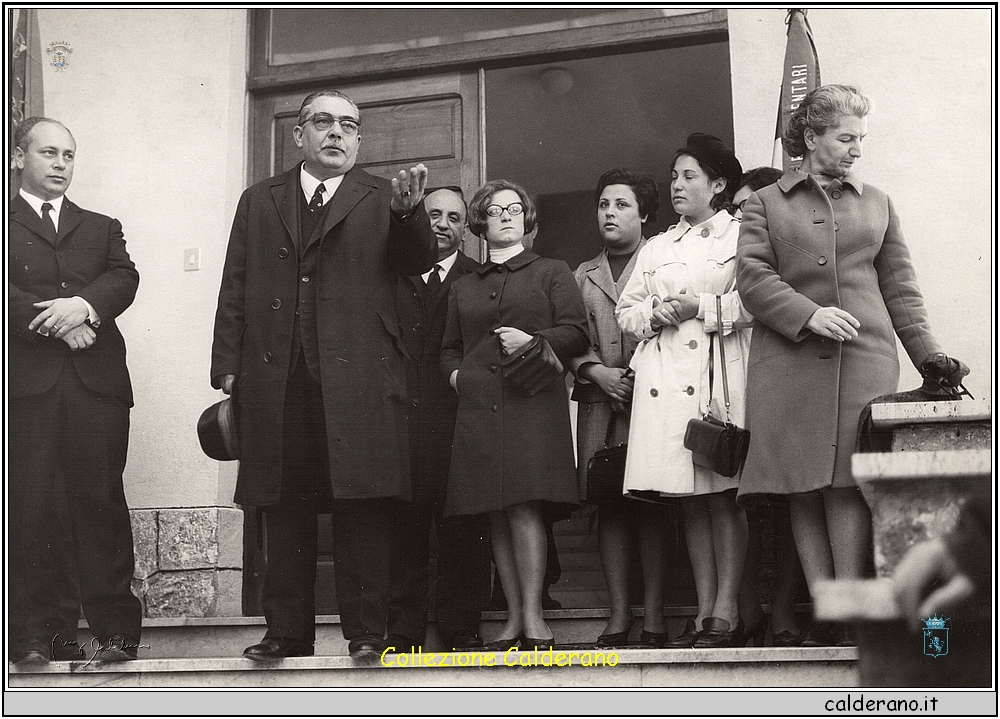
[(192, 259)]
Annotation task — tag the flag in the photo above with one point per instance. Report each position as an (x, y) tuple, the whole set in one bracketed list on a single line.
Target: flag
[(801, 75)]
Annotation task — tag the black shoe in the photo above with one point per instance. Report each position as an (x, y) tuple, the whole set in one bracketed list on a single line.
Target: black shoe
[(366, 649), (687, 638), (502, 645), (461, 641), (271, 650), (844, 637), (654, 640), (401, 644), (755, 633), (31, 651), (819, 635), (718, 633), (616, 639), (118, 648), (542, 645), (550, 603), (786, 639), (66, 650)]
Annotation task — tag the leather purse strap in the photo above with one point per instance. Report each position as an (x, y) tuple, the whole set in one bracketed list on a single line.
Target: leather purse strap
[(722, 354)]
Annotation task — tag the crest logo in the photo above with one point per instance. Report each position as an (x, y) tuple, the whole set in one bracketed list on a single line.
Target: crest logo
[(935, 636), (59, 52)]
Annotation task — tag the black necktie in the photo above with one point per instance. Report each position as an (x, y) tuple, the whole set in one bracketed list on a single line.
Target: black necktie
[(434, 280), (316, 203), (47, 218)]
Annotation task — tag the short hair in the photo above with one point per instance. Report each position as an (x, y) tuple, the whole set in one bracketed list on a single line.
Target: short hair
[(820, 110), (22, 134), (477, 206), (647, 194), (311, 97), (720, 200), (451, 188), (760, 177)]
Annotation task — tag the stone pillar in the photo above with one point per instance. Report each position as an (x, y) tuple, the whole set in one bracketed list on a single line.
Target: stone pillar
[(188, 562)]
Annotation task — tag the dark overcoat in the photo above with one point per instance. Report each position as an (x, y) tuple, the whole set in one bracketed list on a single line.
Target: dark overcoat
[(511, 448), (801, 248), (433, 403), (362, 372), (88, 260)]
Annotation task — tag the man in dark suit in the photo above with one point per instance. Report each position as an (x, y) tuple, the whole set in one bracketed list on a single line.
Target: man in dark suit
[(69, 278), (307, 330), (463, 556)]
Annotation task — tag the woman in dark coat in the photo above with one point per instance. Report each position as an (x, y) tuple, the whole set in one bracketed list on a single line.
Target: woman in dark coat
[(513, 451), (823, 267)]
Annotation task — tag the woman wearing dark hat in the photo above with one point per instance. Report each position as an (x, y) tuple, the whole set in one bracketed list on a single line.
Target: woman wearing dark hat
[(670, 304), (825, 270), (512, 452)]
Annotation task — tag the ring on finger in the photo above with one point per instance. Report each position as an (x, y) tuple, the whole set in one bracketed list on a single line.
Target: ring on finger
[(406, 193)]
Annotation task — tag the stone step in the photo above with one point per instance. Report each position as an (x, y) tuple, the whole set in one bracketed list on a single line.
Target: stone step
[(767, 667)]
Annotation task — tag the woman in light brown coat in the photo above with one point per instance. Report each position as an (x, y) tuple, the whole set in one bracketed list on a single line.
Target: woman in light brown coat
[(823, 268)]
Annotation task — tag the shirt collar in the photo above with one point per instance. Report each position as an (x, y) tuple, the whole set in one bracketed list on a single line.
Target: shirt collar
[(37, 202), (310, 183), (716, 224), (446, 264)]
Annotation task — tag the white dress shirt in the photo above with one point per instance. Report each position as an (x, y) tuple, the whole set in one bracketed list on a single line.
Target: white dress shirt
[(310, 183), (443, 267)]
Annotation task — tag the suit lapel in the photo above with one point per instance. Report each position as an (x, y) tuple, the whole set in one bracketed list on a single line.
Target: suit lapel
[(600, 274), (356, 184), (23, 214), (69, 218), (286, 199)]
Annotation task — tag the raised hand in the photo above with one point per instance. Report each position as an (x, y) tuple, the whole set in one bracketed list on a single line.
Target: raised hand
[(408, 190)]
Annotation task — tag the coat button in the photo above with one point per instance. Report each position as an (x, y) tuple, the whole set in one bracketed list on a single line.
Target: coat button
[(836, 226), (416, 403), (63, 285), (822, 259), (693, 344), (305, 278), (705, 232), (283, 252), (493, 295), (593, 316), (690, 391), (494, 408), (493, 368), (835, 194), (276, 305), (416, 328), (596, 347), (653, 392), (499, 268), (267, 356)]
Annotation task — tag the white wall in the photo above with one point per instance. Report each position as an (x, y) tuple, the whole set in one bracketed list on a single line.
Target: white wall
[(156, 101), (929, 144)]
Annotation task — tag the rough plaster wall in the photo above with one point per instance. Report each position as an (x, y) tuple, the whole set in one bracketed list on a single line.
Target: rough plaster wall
[(156, 101), (929, 144)]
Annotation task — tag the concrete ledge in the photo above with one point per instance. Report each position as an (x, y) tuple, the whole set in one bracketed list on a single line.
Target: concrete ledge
[(895, 414), (944, 464), (767, 667)]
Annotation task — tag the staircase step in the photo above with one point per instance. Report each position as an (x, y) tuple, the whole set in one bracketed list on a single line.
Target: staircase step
[(767, 667)]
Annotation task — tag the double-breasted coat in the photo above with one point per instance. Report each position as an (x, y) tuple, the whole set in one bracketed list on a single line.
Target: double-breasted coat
[(511, 448), (610, 347), (672, 364), (361, 249), (432, 402), (803, 247)]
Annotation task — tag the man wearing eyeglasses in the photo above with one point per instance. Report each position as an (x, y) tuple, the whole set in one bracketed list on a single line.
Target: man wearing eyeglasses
[(307, 340)]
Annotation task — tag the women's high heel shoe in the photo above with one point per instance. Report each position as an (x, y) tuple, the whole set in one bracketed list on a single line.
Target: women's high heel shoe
[(616, 639), (542, 645), (654, 640), (686, 639), (502, 645), (786, 639), (718, 633)]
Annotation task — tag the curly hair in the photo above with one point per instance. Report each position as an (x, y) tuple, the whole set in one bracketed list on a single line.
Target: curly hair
[(760, 177), (820, 110), (647, 194), (477, 206)]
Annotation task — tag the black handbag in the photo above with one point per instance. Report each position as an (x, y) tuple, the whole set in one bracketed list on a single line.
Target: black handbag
[(606, 469), (715, 444), (533, 367)]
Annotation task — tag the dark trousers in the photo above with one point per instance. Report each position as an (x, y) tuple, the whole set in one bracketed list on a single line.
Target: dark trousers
[(68, 532), (463, 572), (362, 532)]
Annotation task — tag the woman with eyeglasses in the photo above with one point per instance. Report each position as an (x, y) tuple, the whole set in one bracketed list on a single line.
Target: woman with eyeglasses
[(512, 454), (671, 304)]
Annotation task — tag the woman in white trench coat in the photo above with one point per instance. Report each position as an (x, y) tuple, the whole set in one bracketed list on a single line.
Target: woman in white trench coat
[(670, 303)]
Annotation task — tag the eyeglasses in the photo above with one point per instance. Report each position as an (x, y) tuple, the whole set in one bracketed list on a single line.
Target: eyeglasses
[(323, 122), (513, 209)]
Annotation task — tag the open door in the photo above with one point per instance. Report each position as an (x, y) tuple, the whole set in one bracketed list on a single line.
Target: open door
[(433, 120)]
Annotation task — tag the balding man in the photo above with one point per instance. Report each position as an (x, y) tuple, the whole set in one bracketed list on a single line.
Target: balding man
[(69, 278)]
